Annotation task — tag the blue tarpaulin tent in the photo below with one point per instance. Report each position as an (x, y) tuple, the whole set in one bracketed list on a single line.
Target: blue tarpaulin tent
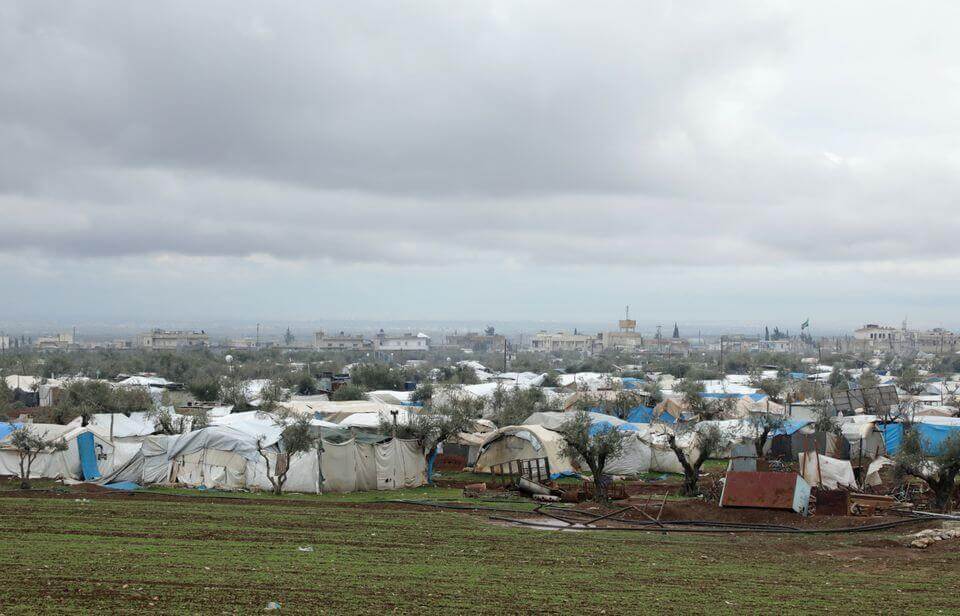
[(88, 456), (644, 414), (932, 436), (791, 426)]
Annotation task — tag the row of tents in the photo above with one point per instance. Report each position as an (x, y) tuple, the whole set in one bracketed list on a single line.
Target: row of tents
[(117, 449)]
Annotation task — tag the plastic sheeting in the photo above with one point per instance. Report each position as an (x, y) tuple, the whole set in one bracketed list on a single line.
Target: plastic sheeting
[(553, 420), (932, 433), (522, 443), (88, 456), (645, 414), (830, 473)]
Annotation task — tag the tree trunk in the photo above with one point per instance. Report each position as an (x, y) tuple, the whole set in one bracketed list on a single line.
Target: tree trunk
[(599, 489), (691, 475), (760, 442), (24, 475), (943, 489)]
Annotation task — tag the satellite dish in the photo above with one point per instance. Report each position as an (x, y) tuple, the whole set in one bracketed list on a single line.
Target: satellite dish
[(228, 359)]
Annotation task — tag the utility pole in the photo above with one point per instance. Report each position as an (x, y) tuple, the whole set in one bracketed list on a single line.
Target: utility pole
[(721, 356), (258, 335), (504, 353)]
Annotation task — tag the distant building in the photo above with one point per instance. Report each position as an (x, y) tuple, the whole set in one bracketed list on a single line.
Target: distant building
[(544, 342), (878, 336), (4, 343), (406, 343), (340, 342), (54, 341), (937, 340), (626, 338), (478, 343), (161, 339), (873, 337)]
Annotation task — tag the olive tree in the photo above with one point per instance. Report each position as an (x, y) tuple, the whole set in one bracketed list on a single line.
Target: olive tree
[(763, 425), (87, 398), (29, 444), (591, 447), (437, 422), (512, 405), (296, 436), (704, 439), (938, 465)]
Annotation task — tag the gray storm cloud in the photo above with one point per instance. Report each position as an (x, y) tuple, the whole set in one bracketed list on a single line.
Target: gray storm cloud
[(418, 133)]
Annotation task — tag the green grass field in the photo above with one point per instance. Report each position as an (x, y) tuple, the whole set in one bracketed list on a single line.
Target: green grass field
[(173, 554)]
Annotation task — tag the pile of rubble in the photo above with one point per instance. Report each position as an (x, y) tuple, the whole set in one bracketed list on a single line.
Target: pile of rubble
[(925, 537)]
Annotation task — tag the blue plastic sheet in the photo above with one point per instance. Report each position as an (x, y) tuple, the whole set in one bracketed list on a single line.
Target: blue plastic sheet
[(644, 414), (932, 436), (88, 456), (791, 426), (640, 414), (892, 435), (599, 427), (123, 485), (7, 428)]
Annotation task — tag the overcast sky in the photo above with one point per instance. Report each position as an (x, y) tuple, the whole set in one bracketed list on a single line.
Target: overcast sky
[(490, 160)]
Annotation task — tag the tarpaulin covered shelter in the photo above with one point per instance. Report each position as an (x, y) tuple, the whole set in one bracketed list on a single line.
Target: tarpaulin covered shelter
[(523, 443), (933, 432), (89, 453), (225, 456), (827, 472)]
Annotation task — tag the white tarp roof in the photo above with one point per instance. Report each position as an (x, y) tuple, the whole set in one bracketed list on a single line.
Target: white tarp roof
[(253, 424), (144, 381), (388, 396), (372, 420), (22, 381), (222, 438), (138, 424), (552, 420)]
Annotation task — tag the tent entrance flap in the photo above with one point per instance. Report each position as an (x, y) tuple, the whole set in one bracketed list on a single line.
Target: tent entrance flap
[(88, 456)]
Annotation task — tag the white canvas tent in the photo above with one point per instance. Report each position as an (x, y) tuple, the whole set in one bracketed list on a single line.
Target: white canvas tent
[(225, 457), (59, 464), (522, 443)]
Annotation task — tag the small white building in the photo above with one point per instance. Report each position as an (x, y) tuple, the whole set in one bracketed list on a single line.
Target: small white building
[(405, 343)]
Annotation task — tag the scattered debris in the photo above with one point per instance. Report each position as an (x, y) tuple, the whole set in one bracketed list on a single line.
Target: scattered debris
[(305, 548), (474, 490), (872, 504), (273, 605)]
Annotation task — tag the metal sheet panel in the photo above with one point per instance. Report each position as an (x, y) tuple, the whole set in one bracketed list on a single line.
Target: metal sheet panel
[(765, 490)]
